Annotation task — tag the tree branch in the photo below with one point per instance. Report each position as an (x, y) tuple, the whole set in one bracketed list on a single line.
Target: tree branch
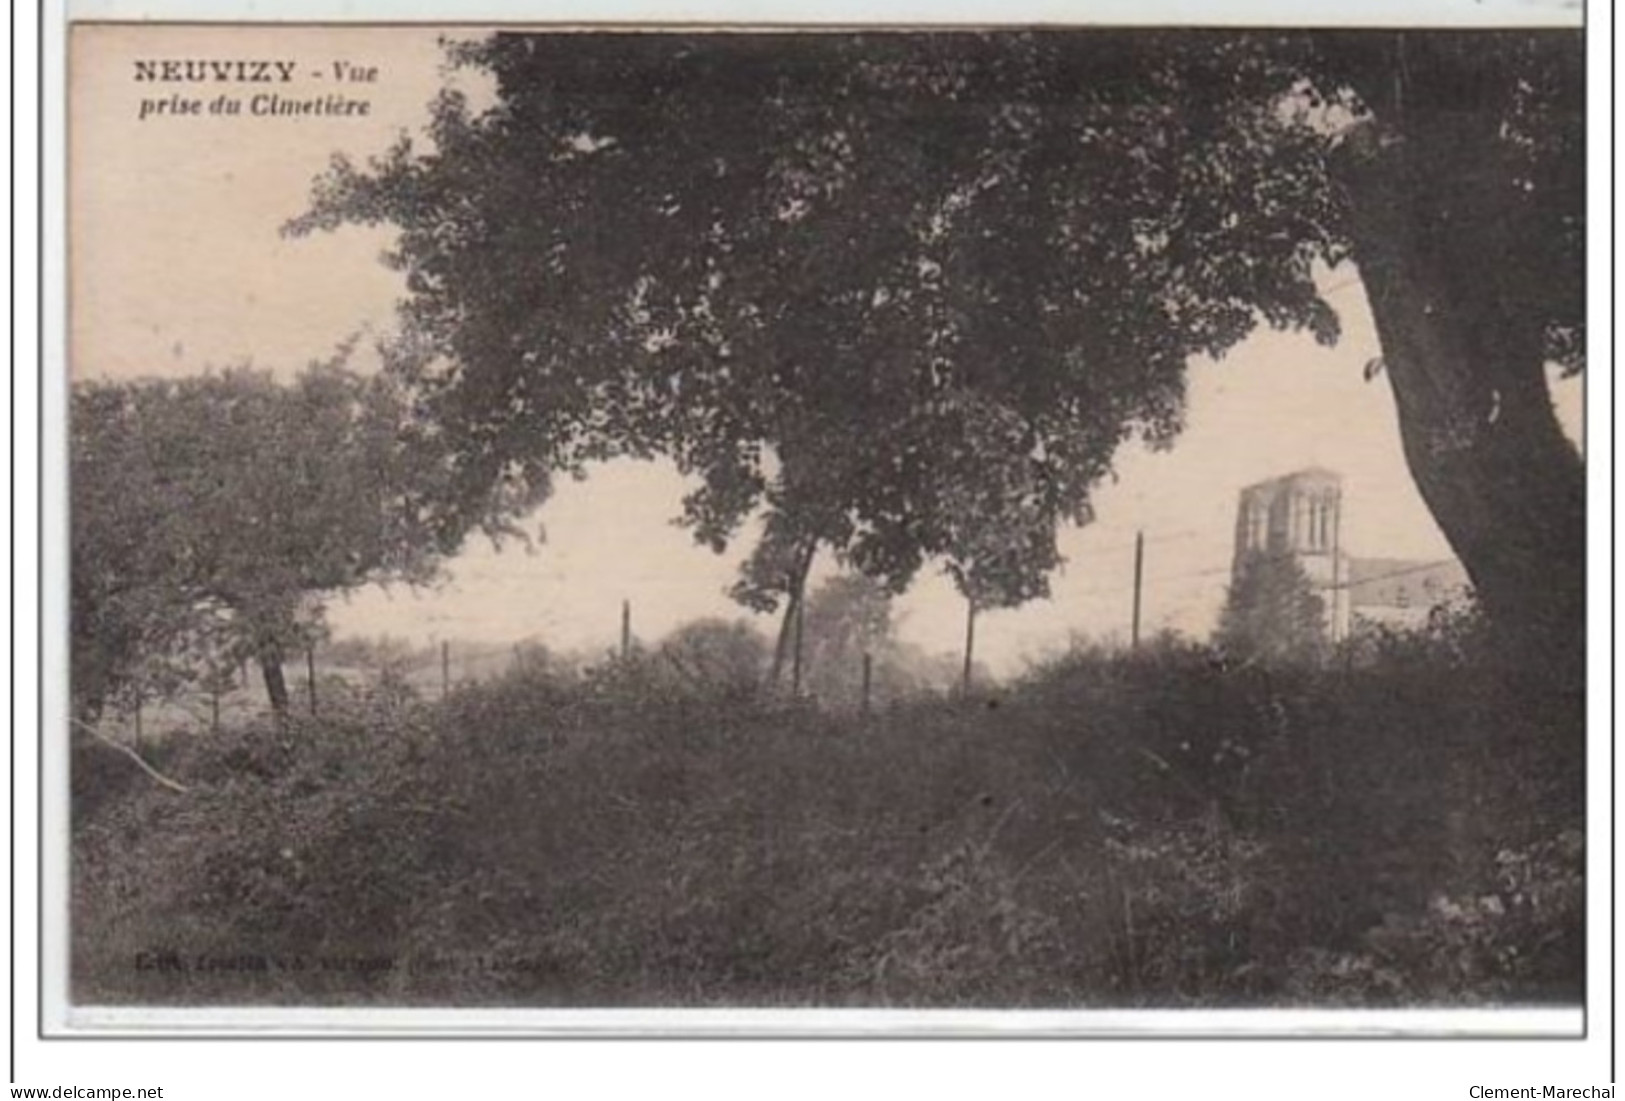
[(132, 754)]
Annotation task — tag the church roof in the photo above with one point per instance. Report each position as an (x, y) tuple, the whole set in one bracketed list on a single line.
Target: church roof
[(1401, 582), (1318, 475)]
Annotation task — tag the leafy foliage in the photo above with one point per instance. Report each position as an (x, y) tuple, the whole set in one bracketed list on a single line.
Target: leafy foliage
[(836, 274), (211, 514), (1155, 828), (907, 294), (1273, 614), (716, 658), (846, 619)]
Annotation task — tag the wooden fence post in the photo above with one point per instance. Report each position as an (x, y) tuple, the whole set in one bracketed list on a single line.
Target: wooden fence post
[(310, 675)]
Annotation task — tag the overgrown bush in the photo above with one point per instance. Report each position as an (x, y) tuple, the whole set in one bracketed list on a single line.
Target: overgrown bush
[(1159, 828)]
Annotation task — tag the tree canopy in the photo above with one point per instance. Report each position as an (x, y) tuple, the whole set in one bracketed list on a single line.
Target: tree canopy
[(212, 513), (909, 293)]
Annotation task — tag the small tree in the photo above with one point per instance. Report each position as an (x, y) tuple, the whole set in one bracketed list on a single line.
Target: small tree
[(716, 657), (1273, 614), (211, 515), (847, 617)]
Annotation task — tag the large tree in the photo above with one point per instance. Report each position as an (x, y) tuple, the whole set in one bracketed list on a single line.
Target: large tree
[(212, 514), (1463, 191), (910, 292)]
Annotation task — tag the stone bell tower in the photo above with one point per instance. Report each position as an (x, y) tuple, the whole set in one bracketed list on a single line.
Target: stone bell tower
[(1299, 515)]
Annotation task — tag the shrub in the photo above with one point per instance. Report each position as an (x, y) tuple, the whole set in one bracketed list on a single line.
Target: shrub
[(1163, 827)]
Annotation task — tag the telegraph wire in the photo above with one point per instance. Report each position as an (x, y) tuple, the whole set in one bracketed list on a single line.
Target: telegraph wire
[(1106, 588), (1418, 568)]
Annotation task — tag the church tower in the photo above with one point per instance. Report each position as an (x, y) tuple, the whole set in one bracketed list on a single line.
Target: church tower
[(1300, 516)]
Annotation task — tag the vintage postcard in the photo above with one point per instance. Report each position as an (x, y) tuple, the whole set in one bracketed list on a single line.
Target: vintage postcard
[(1063, 530)]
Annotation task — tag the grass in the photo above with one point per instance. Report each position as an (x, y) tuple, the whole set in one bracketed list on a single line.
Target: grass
[(1114, 831)]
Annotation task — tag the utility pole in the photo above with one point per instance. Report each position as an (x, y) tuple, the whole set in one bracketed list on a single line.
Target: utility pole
[(626, 629), (1139, 573), (868, 678), (445, 669), (310, 674)]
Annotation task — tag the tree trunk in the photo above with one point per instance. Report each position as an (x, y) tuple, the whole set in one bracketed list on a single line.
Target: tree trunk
[(1465, 363), (970, 648), (796, 586), (276, 685)]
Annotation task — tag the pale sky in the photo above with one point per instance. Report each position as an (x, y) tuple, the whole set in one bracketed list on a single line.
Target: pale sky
[(177, 266)]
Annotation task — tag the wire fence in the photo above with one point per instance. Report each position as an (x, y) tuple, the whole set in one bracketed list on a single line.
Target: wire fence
[(327, 676)]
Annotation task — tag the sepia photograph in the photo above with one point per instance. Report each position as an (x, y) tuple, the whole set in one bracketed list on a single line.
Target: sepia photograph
[(1035, 520)]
